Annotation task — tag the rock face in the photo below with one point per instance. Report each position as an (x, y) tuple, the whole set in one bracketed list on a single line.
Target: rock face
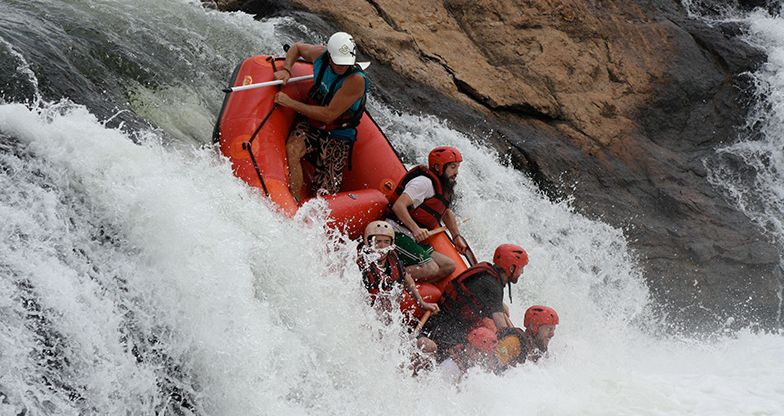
[(617, 103)]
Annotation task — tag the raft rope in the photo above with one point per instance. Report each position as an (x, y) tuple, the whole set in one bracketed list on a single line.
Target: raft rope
[(248, 145)]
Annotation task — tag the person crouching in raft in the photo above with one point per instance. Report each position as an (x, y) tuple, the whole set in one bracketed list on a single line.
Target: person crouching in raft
[(474, 295), (418, 205), (382, 272)]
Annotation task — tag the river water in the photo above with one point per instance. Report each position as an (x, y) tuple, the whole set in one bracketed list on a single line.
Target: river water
[(139, 277)]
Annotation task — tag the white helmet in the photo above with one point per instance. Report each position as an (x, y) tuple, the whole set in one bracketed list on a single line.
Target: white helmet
[(342, 49), (379, 228)]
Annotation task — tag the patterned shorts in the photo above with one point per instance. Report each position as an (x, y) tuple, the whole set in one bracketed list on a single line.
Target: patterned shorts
[(330, 156)]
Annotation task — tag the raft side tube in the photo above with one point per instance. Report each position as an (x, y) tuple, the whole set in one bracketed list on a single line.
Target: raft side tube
[(216, 130), (373, 159), (442, 244), (238, 125), (429, 293), (352, 211)]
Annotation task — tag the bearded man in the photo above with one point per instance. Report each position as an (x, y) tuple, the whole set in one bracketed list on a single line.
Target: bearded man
[(423, 199)]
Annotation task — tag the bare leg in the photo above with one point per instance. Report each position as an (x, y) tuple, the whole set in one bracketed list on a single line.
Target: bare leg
[(423, 273), (295, 150), (445, 266)]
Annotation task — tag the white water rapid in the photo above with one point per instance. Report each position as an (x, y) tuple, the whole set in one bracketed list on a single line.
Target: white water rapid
[(138, 276)]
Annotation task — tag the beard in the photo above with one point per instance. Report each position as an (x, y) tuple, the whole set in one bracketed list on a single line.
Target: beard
[(447, 185)]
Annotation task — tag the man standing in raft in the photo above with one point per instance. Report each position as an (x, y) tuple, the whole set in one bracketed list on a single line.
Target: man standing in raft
[(329, 118), (474, 295), (422, 201)]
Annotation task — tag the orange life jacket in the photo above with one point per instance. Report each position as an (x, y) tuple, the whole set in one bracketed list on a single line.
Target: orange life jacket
[(429, 213), (529, 349)]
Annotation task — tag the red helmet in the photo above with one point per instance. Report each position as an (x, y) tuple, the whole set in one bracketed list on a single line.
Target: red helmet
[(483, 339), (539, 315), (441, 156), (508, 255)]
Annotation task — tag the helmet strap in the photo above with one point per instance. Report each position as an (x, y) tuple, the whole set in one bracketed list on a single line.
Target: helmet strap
[(511, 271), (509, 285)]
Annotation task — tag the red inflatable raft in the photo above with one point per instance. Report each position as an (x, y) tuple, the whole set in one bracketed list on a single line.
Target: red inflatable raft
[(252, 133)]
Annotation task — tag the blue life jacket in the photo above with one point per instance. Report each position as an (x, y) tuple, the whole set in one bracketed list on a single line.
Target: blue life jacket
[(322, 92)]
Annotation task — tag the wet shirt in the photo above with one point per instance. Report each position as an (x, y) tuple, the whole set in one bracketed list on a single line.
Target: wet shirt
[(488, 292)]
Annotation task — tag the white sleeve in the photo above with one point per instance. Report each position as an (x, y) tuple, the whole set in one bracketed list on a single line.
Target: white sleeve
[(419, 189)]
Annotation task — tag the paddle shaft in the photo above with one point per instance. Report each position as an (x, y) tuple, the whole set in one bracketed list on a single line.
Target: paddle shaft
[(424, 319), (266, 84), (444, 227), (469, 254)]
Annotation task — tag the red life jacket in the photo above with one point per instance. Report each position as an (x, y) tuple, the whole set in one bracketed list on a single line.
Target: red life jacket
[(429, 213), (457, 299), (378, 278)]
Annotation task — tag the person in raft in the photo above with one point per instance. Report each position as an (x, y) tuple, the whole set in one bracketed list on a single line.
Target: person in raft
[(479, 348), (517, 346), (326, 127), (419, 204), (382, 273), (473, 296)]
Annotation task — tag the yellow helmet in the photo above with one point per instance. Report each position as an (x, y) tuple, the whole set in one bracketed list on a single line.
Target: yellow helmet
[(379, 228), (511, 348), (508, 349)]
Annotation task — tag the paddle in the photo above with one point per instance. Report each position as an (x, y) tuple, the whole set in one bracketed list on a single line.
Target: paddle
[(469, 255), (266, 84), (424, 319), (362, 65), (444, 227)]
